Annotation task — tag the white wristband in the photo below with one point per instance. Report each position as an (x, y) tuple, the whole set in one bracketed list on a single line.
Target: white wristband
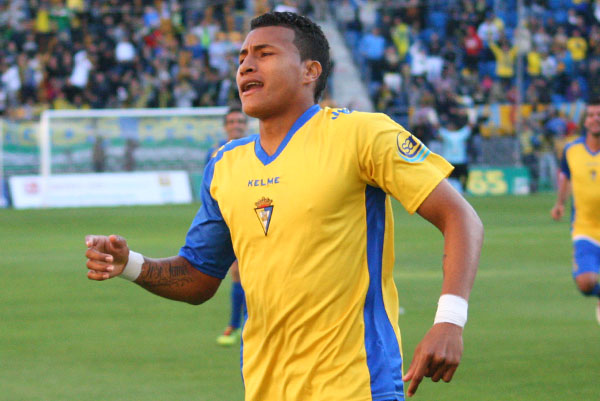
[(133, 268), (451, 309)]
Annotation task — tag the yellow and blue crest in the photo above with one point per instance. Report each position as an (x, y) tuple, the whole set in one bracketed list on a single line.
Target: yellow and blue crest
[(411, 149)]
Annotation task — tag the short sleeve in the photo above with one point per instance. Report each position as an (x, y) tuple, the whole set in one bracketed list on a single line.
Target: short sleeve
[(396, 161), (208, 244)]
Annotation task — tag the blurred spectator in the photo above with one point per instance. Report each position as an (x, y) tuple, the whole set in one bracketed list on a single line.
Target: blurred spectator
[(368, 14), (574, 92), (3, 100), (577, 46), (534, 64), (11, 81), (184, 94), (345, 14), (528, 154), (505, 59), (473, 45), (129, 156), (418, 59), (124, 52), (372, 48), (80, 75), (401, 37), (99, 154), (454, 149), (286, 6), (490, 28), (425, 120)]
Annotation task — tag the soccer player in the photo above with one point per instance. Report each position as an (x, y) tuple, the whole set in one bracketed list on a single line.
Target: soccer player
[(304, 206), (580, 169), (236, 124)]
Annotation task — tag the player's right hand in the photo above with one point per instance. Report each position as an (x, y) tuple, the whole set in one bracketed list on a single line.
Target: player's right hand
[(557, 212), (106, 256)]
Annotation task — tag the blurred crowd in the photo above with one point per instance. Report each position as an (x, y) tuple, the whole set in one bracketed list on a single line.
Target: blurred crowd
[(430, 60), (66, 54), (440, 59)]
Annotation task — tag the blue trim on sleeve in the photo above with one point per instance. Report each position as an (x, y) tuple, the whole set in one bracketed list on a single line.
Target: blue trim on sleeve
[(232, 145), (383, 351), (264, 157), (564, 166), (212, 150), (208, 244)]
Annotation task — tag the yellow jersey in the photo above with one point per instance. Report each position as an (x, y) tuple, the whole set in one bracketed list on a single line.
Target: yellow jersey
[(313, 232), (582, 167)]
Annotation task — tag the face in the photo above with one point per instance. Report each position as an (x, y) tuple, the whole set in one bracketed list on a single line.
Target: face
[(270, 76), (235, 125), (592, 120)]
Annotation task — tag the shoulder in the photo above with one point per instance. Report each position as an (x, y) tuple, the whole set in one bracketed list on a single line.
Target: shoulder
[(231, 146), (227, 153), (573, 150), (358, 120), (579, 142)]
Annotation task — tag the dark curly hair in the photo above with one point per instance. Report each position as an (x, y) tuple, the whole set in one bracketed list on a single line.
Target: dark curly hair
[(308, 38)]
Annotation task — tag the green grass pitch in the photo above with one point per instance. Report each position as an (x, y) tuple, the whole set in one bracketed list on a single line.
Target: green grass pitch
[(530, 335)]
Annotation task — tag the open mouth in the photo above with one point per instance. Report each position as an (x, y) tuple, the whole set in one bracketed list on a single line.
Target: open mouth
[(249, 86)]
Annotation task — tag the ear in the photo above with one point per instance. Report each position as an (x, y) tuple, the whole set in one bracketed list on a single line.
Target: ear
[(312, 71)]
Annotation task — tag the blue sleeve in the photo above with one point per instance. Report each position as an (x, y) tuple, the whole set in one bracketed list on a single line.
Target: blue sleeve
[(208, 244), (564, 166), (209, 156)]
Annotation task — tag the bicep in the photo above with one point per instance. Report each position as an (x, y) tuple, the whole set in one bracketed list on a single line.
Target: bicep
[(205, 285), (443, 204)]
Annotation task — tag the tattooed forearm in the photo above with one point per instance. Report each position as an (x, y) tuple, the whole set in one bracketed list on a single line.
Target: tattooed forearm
[(177, 270), (164, 273)]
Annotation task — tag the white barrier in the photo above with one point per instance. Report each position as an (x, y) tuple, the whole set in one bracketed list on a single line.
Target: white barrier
[(105, 189)]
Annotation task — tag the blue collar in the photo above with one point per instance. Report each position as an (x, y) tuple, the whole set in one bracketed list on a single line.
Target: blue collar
[(264, 157)]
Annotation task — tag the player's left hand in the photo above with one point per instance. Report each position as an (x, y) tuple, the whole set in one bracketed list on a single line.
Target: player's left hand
[(437, 356)]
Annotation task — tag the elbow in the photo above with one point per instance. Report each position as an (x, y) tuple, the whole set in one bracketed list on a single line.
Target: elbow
[(202, 293), (198, 299), (476, 227)]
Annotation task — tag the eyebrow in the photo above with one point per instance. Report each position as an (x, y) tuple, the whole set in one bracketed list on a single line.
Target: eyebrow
[(243, 52)]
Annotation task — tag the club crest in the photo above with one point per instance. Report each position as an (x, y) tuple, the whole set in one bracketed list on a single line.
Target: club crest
[(411, 149), (264, 211)]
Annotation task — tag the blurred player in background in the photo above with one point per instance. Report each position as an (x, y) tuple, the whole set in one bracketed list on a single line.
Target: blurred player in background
[(580, 170), (304, 208), (236, 124)]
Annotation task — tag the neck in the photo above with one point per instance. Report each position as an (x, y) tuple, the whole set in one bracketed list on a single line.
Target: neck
[(593, 142), (273, 129)]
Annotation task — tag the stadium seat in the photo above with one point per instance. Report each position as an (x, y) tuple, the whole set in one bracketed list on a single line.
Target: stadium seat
[(557, 99), (555, 4), (512, 18), (560, 16), (437, 21), (425, 35), (585, 88)]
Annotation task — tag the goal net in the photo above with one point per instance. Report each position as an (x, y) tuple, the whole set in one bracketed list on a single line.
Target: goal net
[(114, 140)]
